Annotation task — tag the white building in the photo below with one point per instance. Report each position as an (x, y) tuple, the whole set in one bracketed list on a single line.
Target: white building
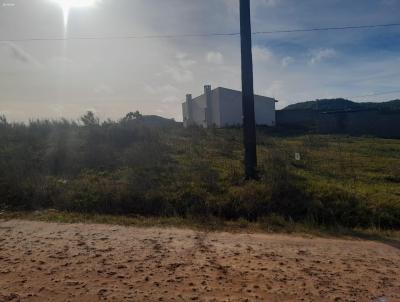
[(222, 107)]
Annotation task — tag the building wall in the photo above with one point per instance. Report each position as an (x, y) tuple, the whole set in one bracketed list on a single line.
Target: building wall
[(300, 119), (265, 111), (185, 114), (230, 107), (226, 109), (215, 103), (376, 123), (231, 111), (198, 111)]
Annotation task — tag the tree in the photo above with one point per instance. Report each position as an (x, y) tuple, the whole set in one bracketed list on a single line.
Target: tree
[(3, 120), (90, 119), (132, 116)]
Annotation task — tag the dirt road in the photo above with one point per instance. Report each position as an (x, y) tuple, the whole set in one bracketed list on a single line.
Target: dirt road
[(77, 262)]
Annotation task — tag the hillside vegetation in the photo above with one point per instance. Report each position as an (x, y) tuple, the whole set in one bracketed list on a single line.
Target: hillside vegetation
[(343, 105), (132, 167)]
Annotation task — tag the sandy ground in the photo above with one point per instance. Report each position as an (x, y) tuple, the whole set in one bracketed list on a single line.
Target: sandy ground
[(77, 262)]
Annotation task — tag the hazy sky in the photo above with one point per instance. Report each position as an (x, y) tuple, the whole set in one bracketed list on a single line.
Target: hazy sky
[(113, 77)]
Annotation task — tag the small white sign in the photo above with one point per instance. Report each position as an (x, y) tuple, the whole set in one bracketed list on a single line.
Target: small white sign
[(297, 156)]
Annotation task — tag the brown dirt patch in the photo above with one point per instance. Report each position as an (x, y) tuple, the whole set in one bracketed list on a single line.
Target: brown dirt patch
[(79, 262)]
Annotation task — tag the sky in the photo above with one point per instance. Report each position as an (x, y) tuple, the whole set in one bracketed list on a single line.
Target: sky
[(65, 78)]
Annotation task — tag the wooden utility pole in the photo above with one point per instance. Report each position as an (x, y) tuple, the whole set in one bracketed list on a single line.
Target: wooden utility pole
[(249, 123)]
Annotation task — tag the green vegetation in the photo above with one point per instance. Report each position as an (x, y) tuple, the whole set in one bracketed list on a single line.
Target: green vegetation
[(135, 168), (271, 224), (343, 104)]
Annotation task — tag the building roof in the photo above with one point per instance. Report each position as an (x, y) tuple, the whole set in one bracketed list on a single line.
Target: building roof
[(223, 88)]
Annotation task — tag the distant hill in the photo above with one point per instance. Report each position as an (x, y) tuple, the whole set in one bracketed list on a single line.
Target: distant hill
[(344, 105), (153, 121), (148, 120)]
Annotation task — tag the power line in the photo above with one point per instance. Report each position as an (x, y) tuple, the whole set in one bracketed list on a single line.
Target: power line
[(200, 35), (326, 29), (376, 94), (367, 95)]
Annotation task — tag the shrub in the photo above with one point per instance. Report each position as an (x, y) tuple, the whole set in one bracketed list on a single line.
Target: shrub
[(248, 201), (129, 168)]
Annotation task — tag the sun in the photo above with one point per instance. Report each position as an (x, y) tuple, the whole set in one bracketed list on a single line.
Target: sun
[(67, 5)]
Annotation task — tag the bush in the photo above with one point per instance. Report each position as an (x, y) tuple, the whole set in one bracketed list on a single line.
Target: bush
[(130, 168), (248, 201)]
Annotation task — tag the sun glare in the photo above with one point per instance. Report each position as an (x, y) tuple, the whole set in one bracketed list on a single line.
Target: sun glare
[(67, 5)]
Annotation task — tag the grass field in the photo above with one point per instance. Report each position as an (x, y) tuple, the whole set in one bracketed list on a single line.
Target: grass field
[(128, 168)]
